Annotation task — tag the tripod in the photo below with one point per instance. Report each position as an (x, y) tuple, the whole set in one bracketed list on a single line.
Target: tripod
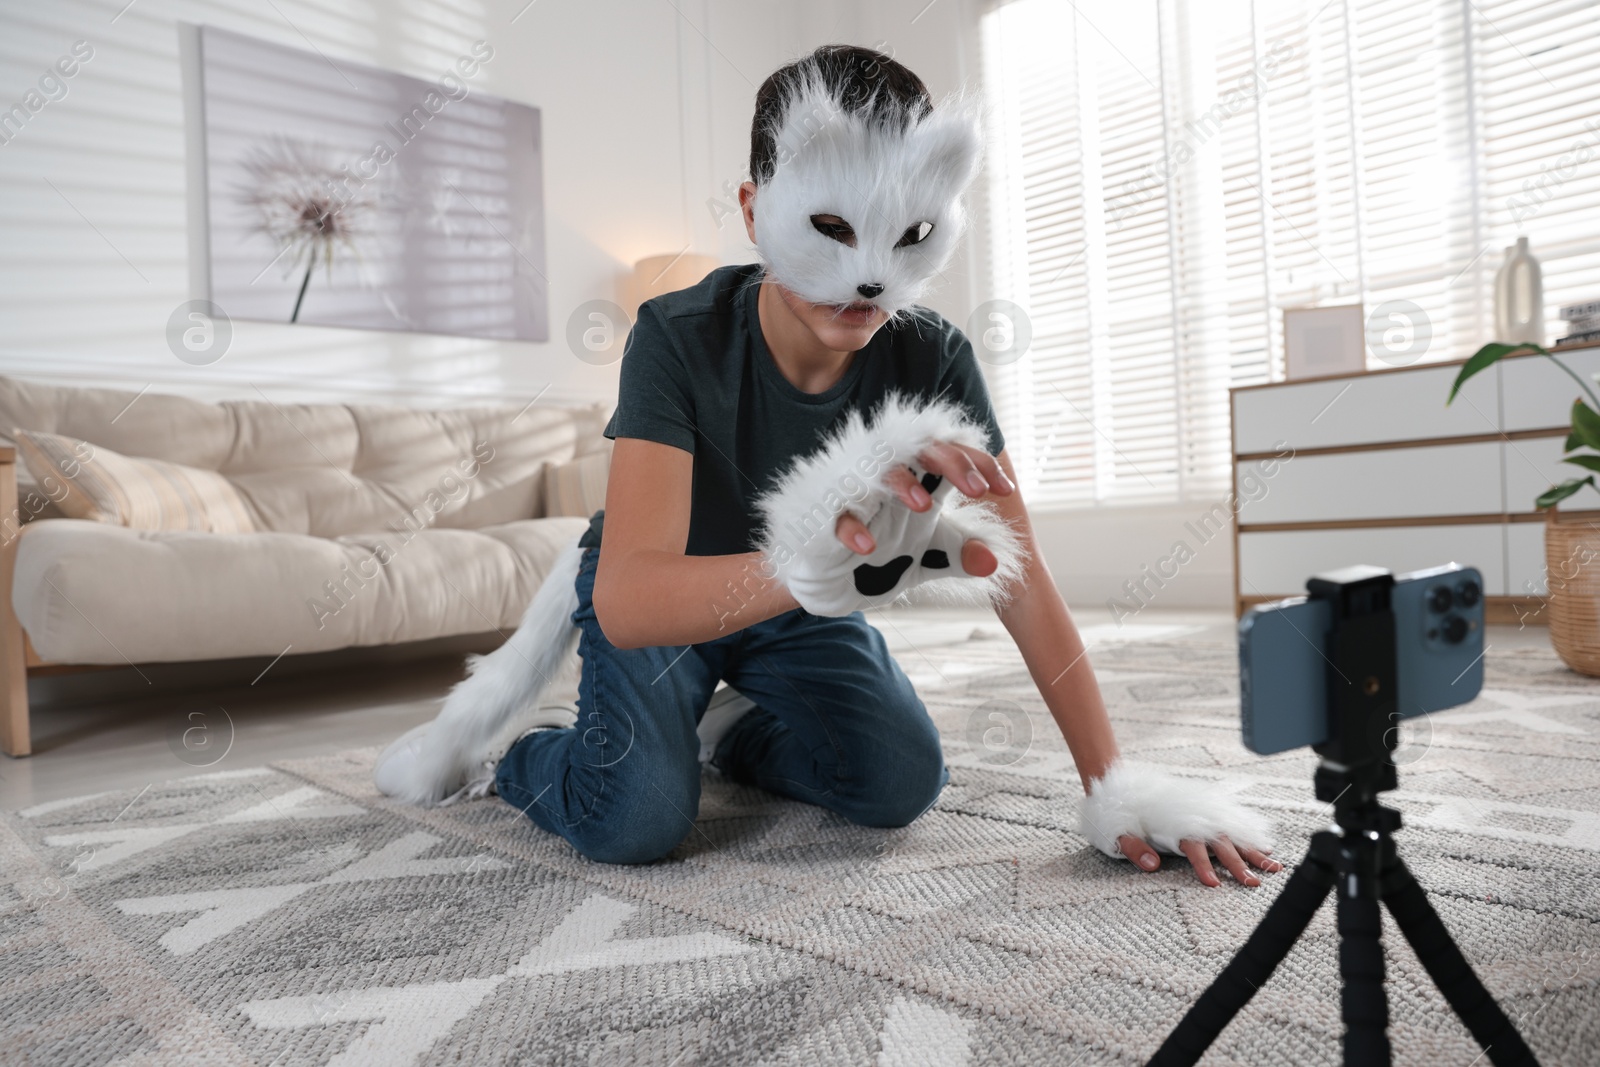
[(1358, 858)]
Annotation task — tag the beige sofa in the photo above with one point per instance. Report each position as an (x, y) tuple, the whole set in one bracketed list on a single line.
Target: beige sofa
[(375, 525)]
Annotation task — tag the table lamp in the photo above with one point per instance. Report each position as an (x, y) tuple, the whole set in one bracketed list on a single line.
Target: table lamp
[(655, 275)]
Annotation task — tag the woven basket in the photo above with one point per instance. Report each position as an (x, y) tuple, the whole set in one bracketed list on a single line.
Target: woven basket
[(1572, 566)]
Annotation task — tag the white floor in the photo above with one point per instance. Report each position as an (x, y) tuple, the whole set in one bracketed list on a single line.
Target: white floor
[(118, 730)]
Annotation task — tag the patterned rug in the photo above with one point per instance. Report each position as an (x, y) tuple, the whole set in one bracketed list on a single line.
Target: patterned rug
[(289, 915)]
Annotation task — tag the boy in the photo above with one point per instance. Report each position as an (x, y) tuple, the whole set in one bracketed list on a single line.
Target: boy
[(680, 582)]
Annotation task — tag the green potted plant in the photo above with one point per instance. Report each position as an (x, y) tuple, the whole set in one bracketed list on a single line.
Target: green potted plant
[(1571, 546)]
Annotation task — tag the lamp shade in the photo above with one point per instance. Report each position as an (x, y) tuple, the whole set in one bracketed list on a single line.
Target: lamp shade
[(655, 275)]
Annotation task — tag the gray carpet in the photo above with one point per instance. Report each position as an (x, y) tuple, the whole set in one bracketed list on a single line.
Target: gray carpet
[(289, 915)]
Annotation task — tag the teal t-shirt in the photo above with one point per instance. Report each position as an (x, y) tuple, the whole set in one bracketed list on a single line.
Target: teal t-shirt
[(697, 375)]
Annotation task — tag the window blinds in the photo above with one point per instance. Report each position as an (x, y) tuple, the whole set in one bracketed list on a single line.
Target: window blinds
[(1164, 178)]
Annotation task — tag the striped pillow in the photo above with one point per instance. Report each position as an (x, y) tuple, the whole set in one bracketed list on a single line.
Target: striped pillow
[(579, 487), (142, 494)]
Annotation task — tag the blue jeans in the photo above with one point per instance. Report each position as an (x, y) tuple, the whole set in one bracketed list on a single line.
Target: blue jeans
[(836, 724)]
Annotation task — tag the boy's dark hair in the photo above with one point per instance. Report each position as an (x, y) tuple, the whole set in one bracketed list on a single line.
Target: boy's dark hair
[(862, 77)]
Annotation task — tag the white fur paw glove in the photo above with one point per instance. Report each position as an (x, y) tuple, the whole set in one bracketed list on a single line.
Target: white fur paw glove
[(912, 548), (1163, 809)]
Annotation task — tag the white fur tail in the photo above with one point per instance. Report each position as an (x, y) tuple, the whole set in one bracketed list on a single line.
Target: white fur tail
[(484, 707)]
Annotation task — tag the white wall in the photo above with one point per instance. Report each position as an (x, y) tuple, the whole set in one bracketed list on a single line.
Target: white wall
[(646, 117), (646, 110), (1094, 553), (95, 255)]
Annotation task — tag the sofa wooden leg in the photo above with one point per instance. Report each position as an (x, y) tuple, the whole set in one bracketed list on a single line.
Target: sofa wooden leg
[(15, 739)]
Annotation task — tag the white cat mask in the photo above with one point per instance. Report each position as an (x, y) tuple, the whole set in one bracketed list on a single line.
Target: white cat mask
[(895, 180)]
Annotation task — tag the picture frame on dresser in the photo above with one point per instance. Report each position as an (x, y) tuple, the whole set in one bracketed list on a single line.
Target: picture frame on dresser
[(1373, 467), (1323, 341)]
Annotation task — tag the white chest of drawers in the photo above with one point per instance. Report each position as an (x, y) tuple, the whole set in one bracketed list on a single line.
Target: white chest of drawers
[(1374, 468)]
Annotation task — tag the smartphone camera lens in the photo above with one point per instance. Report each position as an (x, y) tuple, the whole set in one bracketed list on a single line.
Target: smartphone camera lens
[(1456, 629), (1439, 599), (1468, 593)]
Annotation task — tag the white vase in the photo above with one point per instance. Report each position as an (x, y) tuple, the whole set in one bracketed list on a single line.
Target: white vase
[(1519, 298)]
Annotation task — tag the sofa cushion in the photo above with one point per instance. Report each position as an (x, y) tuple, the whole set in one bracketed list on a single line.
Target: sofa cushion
[(173, 596), (577, 487), (330, 469), (146, 494)]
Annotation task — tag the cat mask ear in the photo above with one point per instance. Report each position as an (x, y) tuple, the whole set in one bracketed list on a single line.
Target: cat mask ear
[(865, 203)]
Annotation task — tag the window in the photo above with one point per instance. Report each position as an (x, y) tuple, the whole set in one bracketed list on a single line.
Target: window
[(1164, 178)]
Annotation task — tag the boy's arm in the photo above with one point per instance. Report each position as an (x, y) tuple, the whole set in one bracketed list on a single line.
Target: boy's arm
[(1038, 620), (646, 591)]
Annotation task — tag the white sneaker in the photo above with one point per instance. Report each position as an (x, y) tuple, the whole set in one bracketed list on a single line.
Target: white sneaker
[(727, 707), (396, 769), (481, 782)]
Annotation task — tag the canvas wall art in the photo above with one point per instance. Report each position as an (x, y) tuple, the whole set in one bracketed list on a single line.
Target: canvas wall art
[(337, 194)]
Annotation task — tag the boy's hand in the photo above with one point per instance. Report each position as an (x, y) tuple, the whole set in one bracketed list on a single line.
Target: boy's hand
[(1234, 858), (1131, 810), (971, 470)]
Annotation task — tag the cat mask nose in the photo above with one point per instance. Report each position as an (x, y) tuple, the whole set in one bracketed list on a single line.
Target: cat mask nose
[(869, 289)]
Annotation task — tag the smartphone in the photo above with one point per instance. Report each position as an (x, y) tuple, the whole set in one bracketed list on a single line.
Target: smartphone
[(1438, 627)]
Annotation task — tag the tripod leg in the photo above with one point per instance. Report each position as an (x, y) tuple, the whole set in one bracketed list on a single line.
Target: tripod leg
[(1268, 944), (1364, 1005), (1450, 971)]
